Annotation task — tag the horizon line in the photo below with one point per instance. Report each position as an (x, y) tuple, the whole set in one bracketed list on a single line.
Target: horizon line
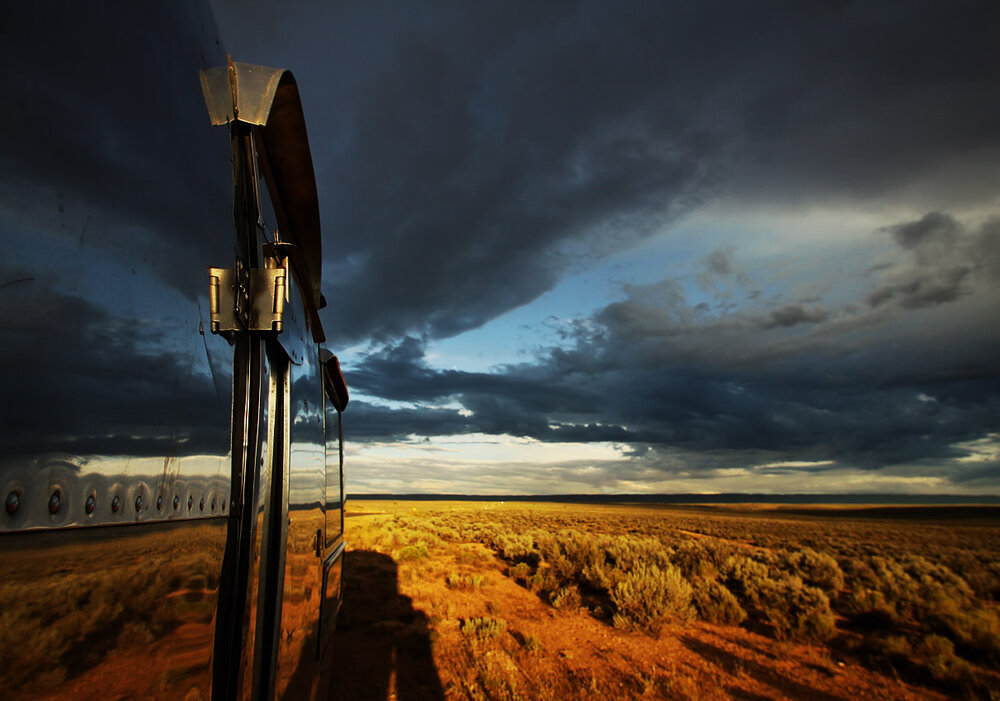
[(697, 497)]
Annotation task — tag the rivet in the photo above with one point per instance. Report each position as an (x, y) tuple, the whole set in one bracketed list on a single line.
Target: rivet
[(159, 503), (190, 502), (54, 502), (116, 504), (177, 502), (213, 503), (13, 501), (138, 503), (201, 504), (223, 504), (90, 504)]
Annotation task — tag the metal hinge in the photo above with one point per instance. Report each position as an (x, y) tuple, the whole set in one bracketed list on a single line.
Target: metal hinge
[(247, 299)]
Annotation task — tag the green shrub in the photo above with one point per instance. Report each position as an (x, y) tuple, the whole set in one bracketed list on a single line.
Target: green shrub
[(700, 558), (465, 581), (918, 588), (816, 569), (469, 556), (412, 552), (516, 547), (582, 552), (544, 580), (898, 647), (975, 631), (938, 579), (982, 575), (598, 575), (743, 576), (859, 573), (649, 596), (796, 610), (520, 573), (716, 604), (896, 585), (567, 597), (938, 655), (546, 544), (869, 608), (626, 552), (483, 627), (562, 568)]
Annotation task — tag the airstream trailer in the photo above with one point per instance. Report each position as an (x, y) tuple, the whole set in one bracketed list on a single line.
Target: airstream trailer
[(171, 462)]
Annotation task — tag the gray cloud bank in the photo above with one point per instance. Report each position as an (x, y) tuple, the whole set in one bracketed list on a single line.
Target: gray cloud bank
[(905, 378), (470, 156)]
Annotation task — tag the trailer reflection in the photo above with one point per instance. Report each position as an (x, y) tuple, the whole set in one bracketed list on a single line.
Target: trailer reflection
[(81, 625)]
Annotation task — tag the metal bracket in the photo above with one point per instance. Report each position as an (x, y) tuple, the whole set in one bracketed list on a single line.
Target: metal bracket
[(247, 299)]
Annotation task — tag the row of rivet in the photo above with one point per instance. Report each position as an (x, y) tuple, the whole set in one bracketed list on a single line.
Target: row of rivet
[(13, 503)]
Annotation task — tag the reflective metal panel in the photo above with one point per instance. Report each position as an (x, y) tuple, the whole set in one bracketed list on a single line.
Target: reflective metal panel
[(110, 612), (57, 491), (114, 199), (334, 538), (137, 533), (333, 570), (260, 477), (334, 475), (298, 633)]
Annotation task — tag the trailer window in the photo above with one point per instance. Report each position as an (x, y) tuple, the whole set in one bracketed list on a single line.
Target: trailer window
[(334, 473)]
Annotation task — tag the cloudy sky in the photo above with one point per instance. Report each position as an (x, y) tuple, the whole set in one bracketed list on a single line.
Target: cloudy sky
[(580, 247)]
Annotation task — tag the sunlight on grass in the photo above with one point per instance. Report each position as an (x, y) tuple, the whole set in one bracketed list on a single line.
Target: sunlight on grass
[(914, 601)]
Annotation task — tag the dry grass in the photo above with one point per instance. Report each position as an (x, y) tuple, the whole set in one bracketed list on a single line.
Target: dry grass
[(647, 602)]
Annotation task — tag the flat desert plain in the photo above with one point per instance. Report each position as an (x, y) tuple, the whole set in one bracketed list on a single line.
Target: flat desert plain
[(515, 600)]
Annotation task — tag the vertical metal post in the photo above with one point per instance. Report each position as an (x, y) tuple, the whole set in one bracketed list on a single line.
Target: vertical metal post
[(231, 634)]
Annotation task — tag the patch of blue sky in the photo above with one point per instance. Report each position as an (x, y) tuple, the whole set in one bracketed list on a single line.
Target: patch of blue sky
[(518, 335), (805, 256)]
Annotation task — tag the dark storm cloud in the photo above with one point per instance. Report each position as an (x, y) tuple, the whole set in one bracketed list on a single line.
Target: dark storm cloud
[(934, 229), (793, 314), (720, 418), (942, 259), (468, 156), (367, 422), (787, 383), (986, 473), (518, 403), (923, 289)]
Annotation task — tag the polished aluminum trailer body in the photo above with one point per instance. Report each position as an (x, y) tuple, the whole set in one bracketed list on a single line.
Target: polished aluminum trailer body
[(171, 473)]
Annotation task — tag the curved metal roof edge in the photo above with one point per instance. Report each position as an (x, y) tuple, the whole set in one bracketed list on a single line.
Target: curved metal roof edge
[(269, 99)]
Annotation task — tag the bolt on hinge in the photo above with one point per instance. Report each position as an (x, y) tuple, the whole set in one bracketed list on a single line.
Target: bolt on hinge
[(246, 299)]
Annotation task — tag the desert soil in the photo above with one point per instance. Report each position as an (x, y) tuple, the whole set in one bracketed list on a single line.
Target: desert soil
[(401, 636)]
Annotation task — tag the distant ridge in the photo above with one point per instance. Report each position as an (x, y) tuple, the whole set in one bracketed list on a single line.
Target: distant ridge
[(730, 498)]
